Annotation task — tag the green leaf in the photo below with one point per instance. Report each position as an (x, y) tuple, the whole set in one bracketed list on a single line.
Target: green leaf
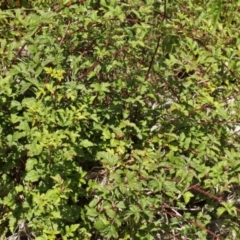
[(187, 143), (110, 213), (108, 158), (101, 223), (170, 186), (34, 149), (106, 134), (92, 212), (187, 196), (56, 215), (121, 205), (74, 227), (19, 188), (53, 232), (32, 176), (86, 143), (101, 87), (31, 162), (220, 211), (94, 202)]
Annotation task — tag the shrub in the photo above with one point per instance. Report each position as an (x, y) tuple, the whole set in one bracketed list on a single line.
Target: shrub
[(118, 119)]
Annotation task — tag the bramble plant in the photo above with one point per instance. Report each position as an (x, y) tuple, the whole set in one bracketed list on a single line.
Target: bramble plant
[(119, 119)]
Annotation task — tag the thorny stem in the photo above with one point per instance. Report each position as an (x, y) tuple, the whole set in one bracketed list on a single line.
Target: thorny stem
[(193, 222)]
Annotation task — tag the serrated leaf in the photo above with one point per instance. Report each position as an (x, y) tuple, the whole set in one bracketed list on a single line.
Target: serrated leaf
[(32, 176), (94, 202), (18, 135), (187, 196), (101, 223), (220, 211), (31, 162), (52, 194), (19, 188), (74, 227), (108, 158), (110, 213), (187, 143), (121, 205), (170, 186), (92, 212), (94, 117), (86, 143), (106, 134), (110, 232), (56, 215)]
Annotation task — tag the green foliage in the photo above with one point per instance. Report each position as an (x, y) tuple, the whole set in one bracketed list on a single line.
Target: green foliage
[(118, 119)]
